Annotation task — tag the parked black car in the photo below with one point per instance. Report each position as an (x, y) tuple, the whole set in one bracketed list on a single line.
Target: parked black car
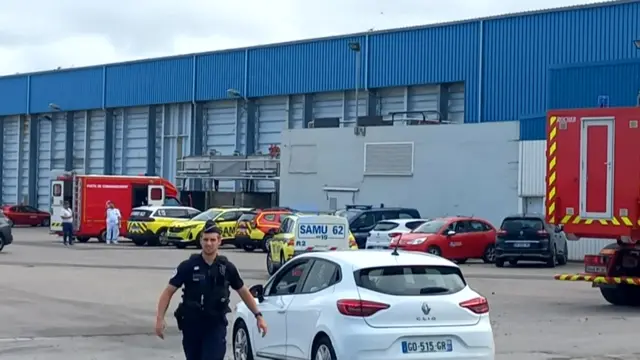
[(363, 218), (6, 237), (530, 238)]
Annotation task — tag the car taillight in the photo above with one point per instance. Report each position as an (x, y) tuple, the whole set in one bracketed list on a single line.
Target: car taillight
[(543, 233), (291, 242), (595, 264), (393, 234), (362, 308), (502, 233), (478, 305)]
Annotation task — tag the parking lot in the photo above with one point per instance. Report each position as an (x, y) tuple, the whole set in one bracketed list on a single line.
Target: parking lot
[(98, 302)]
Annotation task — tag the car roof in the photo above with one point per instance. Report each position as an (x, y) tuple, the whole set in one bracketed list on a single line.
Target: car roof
[(361, 259), (526, 215), (402, 221), (154, 208), (230, 209)]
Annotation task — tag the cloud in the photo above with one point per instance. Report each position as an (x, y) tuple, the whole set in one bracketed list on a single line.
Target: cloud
[(41, 34)]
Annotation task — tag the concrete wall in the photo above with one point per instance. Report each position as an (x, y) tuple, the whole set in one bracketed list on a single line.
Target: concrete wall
[(457, 169)]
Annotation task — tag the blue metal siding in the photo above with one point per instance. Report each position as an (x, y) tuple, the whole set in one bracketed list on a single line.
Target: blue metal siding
[(45, 147), (533, 128), (428, 56), (219, 72), (10, 160), (318, 66), (150, 82), (519, 50), (71, 90), (580, 86), (96, 134), (13, 95)]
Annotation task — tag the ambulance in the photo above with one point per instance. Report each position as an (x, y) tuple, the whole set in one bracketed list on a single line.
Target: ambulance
[(299, 234), (89, 194)]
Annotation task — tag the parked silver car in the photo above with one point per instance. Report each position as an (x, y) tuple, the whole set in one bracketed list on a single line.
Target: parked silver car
[(6, 237)]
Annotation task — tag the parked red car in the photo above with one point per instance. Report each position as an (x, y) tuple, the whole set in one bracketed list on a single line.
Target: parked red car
[(26, 215), (454, 238)]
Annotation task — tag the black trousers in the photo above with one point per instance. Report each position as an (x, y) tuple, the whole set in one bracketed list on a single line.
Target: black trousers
[(204, 340)]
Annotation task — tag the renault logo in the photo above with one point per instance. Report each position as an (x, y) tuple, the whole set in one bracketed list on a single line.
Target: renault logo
[(426, 309), (521, 233)]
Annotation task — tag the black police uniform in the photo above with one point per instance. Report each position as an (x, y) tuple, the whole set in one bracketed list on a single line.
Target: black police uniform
[(205, 302)]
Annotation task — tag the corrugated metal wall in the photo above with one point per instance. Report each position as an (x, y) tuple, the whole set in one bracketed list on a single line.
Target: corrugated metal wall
[(79, 141), (225, 130), (10, 159), (532, 168), (518, 70), (45, 150), (175, 140), (23, 178), (578, 249), (131, 140), (58, 139), (619, 81), (96, 136), (72, 89), (339, 104)]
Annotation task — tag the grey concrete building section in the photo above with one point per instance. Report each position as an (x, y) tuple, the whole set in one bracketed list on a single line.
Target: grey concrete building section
[(467, 169), (98, 302)]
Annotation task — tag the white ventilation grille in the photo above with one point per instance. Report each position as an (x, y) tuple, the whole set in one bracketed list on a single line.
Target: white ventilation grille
[(388, 159)]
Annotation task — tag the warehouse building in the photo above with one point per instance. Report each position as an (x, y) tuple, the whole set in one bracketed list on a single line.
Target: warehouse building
[(493, 79)]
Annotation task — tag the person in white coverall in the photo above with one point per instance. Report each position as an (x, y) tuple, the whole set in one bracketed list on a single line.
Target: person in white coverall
[(113, 223)]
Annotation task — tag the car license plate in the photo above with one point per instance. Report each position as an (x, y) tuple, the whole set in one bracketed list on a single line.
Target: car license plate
[(409, 347), (522, 245)]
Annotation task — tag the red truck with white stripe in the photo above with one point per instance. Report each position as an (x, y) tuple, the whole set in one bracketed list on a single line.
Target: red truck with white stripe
[(593, 191)]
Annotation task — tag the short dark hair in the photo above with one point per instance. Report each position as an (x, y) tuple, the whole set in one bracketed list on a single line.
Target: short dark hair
[(210, 227)]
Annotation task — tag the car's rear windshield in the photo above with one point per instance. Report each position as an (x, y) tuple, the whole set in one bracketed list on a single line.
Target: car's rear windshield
[(523, 223), (140, 213), (349, 214), (413, 280), (247, 217), (385, 226)]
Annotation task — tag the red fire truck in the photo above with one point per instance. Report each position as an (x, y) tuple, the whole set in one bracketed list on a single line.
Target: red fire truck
[(593, 191), (88, 195)]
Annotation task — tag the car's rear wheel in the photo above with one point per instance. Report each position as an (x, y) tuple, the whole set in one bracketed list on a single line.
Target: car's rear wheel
[(103, 236), (271, 267), (249, 246), (163, 240), (323, 350), (489, 255), (553, 260), (565, 255), (44, 223), (265, 243), (434, 250), (241, 342), (1, 242)]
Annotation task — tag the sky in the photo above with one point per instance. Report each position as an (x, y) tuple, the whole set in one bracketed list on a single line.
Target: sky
[(40, 35)]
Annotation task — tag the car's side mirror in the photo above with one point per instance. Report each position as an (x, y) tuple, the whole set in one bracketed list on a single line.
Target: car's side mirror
[(451, 233), (257, 291)]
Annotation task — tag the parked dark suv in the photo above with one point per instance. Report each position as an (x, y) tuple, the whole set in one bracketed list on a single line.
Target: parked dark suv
[(363, 218), (530, 238)]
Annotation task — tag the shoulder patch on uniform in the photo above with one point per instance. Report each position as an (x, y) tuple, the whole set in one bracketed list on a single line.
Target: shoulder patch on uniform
[(175, 272)]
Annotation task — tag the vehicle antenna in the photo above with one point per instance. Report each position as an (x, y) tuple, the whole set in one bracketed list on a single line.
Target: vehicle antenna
[(395, 250)]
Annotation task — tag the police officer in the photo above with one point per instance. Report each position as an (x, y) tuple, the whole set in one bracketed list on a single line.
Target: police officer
[(201, 315)]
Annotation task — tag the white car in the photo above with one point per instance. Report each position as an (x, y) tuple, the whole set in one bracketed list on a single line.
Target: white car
[(366, 305), (381, 235)]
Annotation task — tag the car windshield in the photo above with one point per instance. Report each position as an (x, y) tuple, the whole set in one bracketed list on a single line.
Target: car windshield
[(247, 217), (207, 215), (430, 227), (349, 214)]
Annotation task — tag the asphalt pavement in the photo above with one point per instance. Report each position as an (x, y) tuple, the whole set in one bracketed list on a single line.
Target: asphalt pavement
[(95, 301)]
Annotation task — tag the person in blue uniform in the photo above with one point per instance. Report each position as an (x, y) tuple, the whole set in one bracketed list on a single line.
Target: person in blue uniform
[(201, 316)]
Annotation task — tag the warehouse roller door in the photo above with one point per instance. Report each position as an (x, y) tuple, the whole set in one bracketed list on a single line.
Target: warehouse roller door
[(533, 205), (45, 143)]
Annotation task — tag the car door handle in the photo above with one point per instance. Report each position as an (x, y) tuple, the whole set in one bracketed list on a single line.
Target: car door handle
[(281, 311)]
